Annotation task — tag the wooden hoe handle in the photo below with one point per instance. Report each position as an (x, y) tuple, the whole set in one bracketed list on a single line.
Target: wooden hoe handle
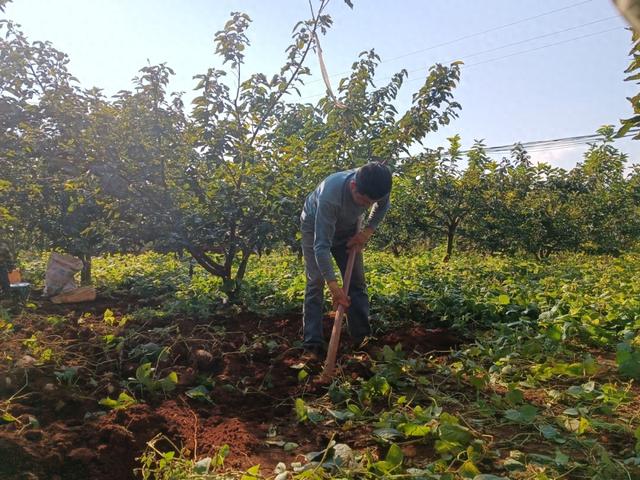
[(332, 352)]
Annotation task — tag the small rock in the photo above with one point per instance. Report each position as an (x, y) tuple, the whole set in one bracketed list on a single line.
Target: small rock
[(26, 361), (409, 451), (343, 455), (102, 448), (204, 359), (82, 454), (49, 387), (33, 435), (29, 476), (53, 460)]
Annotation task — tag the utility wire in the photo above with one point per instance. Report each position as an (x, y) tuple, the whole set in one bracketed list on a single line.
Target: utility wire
[(551, 144), (557, 32), (471, 35), (520, 42), (544, 46)]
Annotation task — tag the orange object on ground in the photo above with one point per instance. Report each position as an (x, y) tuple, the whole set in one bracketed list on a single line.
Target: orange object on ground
[(15, 276), (82, 294)]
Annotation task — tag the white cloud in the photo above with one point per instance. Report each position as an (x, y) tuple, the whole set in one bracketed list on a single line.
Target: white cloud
[(566, 158)]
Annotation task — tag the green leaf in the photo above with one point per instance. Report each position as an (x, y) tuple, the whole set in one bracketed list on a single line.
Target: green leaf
[(503, 299), (444, 447), (252, 474), (341, 415), (415, 430), (575, 425), (199, 393), (108, 317), (551, 433), (628, 359), (290, 446), (561, 459), (143, 374), (525, 414), (387, 434), (468, 470), (301, 410), (554, 332), (450, 432), (124, 400), (394, 455), (314, 415), (7, 418), (221, 454), (168, 383), (514, 396)]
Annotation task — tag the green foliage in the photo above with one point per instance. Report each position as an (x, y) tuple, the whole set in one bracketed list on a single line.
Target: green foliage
[(124, 400), (157, 464), (628, 359), (392, 461), (305, 413), (145, 379), (523, 414), (634, 76), (200, 392)]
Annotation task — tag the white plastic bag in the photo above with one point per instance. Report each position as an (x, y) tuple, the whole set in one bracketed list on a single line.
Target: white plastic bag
[(60, 272)]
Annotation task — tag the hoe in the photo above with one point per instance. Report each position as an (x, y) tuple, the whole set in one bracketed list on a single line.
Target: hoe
[(332, 352)]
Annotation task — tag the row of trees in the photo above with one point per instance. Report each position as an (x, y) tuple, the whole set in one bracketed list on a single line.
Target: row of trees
[(89, 175), (514, 205)]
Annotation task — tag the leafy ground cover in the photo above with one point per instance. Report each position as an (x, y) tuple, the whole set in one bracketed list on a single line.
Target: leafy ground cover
[(485, 368)]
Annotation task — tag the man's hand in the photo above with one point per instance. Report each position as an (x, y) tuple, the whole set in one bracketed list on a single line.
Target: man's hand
[(360, 239), (339, 297)]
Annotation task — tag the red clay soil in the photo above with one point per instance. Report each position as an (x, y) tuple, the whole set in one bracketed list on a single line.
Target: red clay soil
[(62, 432)]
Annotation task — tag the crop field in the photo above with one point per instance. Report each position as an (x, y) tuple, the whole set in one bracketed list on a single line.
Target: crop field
[(491, 367), (169, 169)]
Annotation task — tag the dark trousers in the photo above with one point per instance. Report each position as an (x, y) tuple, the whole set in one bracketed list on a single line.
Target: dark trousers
[(5, 286), (357, 313)]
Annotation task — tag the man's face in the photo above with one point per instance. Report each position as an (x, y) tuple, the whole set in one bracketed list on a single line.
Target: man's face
[(359, 198)]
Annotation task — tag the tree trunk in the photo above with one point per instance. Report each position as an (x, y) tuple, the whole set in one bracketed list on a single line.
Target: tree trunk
[(452, 227), (451, 231), (85, 274), (242, 269), (205, 262)]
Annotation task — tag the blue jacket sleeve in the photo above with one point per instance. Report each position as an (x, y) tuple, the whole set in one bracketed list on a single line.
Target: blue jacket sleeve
[(325, 227)]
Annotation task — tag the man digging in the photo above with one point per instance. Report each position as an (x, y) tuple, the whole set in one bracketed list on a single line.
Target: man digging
[(330, 219)]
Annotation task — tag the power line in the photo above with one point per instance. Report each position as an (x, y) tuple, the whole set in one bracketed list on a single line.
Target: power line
[(545, 46), (520, 42), (511, 45), (471, 35), (551, 144)]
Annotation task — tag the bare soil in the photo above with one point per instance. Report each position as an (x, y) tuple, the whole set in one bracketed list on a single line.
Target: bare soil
[(62, 432)]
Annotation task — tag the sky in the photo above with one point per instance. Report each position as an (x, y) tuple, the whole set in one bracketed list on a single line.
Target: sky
[(533, 69)]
